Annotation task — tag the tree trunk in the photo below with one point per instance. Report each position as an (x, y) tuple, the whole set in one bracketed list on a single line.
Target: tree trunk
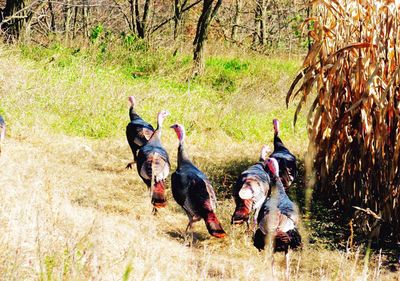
[(179, 9), (263, 22), (74, 22), (85, 19), (67, 18), (12, 26), (256, 33), (132, 14), (207, 14), (236, 19), (141, 22), (260, 31), (52, 18)]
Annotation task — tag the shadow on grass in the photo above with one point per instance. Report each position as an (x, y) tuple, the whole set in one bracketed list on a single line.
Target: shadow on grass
[(187, 240), (327, 226), (224, 175)]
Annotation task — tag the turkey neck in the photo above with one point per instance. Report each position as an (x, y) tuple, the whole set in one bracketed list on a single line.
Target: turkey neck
[(157, 133), (132, 113), (182, 155), (278, 186)]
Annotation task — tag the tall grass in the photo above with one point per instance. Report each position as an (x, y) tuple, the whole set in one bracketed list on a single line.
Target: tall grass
[(90, 94)]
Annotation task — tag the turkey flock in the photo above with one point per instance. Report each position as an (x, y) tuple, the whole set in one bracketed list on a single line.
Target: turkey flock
[(260, 191)]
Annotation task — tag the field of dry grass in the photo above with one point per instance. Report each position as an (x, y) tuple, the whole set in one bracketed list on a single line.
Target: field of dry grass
[(70, 211)]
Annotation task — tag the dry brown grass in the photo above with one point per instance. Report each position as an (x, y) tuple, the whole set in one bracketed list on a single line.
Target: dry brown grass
[(70, 211)]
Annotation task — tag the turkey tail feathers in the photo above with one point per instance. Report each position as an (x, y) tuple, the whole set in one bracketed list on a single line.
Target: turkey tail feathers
[(214, 227), (158, 195), (242, 212)]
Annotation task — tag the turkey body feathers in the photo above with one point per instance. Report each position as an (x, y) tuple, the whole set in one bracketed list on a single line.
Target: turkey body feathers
[(257, 170), (193, 191), (286, 161), (152, 161), (153, 167), (138, 132), (278, 217), (243, 208)]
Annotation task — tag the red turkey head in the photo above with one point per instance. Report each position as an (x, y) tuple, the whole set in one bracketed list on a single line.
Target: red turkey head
[(180, 131), (132, 100), (273, 166)]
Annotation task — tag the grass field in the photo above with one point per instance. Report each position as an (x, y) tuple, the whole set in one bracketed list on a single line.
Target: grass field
[(69, 209)]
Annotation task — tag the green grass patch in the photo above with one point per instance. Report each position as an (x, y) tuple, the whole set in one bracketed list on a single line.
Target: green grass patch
[(72, 91)]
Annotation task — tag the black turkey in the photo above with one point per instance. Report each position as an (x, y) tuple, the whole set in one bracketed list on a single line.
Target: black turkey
[(286, 160), (250, 190), (153, 165), (138, 131), (193, 191), (277, 219)]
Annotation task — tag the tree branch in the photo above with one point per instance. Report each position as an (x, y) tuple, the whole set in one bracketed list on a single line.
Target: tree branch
[(171, 18)]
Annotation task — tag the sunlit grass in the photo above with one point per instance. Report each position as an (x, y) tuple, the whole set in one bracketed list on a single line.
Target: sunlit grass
[(83, 97)]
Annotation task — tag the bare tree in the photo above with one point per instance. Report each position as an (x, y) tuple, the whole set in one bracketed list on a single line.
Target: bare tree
[(185, 7), (13, 17), (208, 12), (260, 32), (66, 11), (142, 20), (236, 19), (52, 17), (179, 5)]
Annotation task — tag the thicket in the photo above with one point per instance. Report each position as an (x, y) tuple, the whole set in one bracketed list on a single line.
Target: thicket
[(257, 24)]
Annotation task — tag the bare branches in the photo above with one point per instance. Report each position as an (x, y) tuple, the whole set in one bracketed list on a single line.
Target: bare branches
[(171, 18)]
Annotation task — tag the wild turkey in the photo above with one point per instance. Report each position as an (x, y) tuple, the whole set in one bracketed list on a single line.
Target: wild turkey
[(193, 191), (2, 131), (153, 165), (138, 131), (286, 160), (278, 219), (250, 190)]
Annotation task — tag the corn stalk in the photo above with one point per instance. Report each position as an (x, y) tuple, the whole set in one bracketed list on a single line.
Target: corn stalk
[(352, 73)]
